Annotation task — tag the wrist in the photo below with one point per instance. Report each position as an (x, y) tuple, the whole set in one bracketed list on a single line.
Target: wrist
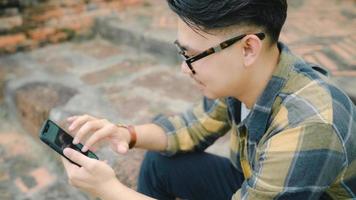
[(125, 133), (131, 133), (111, 190)]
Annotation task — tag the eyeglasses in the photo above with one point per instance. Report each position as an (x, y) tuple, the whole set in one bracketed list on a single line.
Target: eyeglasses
[(212, 50)]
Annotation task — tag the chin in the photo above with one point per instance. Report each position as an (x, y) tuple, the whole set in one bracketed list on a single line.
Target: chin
[(215, 95), (211, 95)]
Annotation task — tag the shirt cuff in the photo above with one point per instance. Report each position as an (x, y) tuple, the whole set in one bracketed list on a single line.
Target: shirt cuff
[(163, 122)]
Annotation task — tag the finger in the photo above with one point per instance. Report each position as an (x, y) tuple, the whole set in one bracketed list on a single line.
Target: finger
[(72, 118), (122, 147), (93, 149), (77, 157), (79, 121), (89, 126), (96, 137)]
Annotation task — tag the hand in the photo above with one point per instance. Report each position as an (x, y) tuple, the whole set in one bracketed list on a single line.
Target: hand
[(100, 129), (94, 177)]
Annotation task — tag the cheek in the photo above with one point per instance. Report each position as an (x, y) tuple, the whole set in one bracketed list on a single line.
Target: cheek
[(230, 78), (216, 75), (221, 74)]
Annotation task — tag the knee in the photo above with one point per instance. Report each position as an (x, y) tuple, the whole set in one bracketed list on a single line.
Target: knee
[(152, 160), (153, 168), (153, 175), (156, 165)]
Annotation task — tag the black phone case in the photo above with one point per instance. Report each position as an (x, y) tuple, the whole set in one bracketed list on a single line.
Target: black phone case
[(59, 150)]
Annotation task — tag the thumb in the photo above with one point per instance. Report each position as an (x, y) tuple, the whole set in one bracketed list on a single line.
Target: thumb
[(122, 147), (76, 157)]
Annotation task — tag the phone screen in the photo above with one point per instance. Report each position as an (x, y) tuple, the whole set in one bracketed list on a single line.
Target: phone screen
[(55, 137)]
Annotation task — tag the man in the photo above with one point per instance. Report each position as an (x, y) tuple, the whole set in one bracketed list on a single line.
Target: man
[(297, 142)]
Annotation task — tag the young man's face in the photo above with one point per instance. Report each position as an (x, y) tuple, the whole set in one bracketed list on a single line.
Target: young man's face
[(220, 74)]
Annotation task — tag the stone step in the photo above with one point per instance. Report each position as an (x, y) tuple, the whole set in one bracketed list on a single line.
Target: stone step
[(154, 42)]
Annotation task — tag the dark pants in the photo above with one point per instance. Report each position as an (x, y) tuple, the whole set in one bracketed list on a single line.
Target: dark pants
[(188, 176)]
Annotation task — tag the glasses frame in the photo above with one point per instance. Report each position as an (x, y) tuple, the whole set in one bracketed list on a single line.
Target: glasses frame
[(223, 45)]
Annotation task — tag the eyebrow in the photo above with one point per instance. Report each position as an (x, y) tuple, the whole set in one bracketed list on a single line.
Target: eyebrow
[(187, 47)]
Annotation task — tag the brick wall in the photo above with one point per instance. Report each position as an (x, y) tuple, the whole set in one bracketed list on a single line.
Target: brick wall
[(28, 24)]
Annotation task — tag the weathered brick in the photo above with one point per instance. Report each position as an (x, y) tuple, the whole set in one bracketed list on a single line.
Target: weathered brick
[(53, 13), (42, 178), (79, 8), (60, 36), (8, 23), (76, 22), (30, 44), (86, 21), (2, 84), (74, 15), (131, 2), (70, 3), (9, 41), (100, 12), (41, 34), (67, 20)]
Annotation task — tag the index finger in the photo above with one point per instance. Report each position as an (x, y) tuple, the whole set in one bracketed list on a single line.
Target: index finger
[(79, 121), (72, 118), (96, 137)]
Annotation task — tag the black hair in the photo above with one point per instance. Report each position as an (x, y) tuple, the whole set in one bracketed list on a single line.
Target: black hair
[(208, 15)]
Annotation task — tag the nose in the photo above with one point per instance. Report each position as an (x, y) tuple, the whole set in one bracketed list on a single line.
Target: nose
[(185, 69)]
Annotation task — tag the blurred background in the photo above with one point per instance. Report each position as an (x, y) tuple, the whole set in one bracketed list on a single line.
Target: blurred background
[(115, 60)]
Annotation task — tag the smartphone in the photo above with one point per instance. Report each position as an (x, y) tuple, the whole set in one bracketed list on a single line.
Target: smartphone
[(56, 138)]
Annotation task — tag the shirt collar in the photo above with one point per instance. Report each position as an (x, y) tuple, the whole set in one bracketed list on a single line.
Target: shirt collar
[(256, 121)]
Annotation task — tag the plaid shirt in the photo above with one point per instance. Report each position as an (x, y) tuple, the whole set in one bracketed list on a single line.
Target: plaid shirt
[(297, 142)]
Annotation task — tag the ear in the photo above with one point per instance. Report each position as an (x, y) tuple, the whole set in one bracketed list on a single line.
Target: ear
[(251, 48)]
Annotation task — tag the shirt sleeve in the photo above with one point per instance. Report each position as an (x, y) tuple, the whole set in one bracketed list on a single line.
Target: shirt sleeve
[(197, 128), (297, 163)]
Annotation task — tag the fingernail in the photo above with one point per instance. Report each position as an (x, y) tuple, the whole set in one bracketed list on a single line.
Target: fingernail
[(70, 127), (84, 149), (122, 149), (66, 152), (75, 141)]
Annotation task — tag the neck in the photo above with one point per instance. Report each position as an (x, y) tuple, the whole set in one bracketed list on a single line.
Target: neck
[(260, 76)]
